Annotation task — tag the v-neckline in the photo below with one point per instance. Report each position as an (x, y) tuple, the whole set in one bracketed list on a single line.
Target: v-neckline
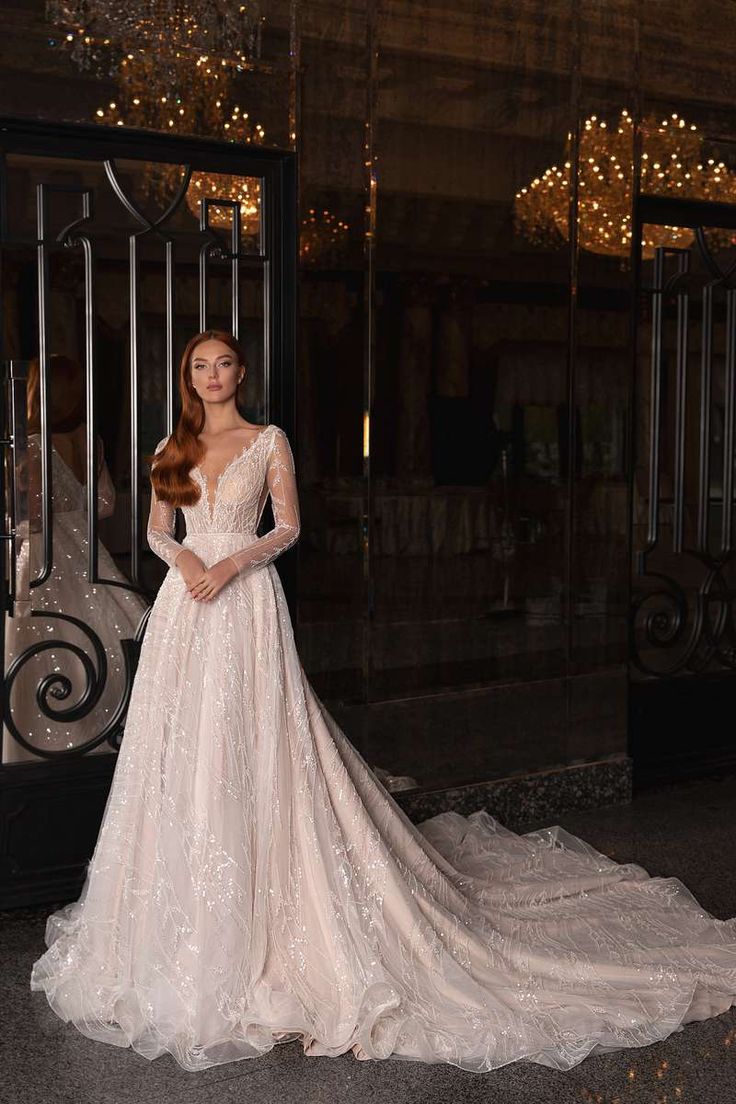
[(211, 506)]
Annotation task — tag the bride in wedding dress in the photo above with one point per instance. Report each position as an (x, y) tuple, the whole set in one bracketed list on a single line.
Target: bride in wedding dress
[(254, 882)]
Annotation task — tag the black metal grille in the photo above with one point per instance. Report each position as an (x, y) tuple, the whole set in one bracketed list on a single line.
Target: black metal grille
[(272, 261)]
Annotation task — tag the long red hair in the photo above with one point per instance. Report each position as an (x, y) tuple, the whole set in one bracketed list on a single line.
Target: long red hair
[(170, 472), (66, 406)]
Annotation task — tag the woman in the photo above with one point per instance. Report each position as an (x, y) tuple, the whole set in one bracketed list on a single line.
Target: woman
[(253, 882)]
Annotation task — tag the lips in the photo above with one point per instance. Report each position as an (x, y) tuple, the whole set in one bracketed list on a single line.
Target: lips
[(214, 387)]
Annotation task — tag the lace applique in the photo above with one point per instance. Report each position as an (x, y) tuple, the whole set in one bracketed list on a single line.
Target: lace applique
[(241, 488)]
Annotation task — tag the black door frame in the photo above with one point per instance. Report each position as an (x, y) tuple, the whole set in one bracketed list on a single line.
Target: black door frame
[(675, 723)]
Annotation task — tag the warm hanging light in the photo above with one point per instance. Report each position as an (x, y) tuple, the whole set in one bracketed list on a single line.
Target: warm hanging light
[(322, 237), (96, 29), (174, 61), (179, 56), (162, 179), (672, 164)]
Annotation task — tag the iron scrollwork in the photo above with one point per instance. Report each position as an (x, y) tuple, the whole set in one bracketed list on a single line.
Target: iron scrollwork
[(678, 627), (79, 234)]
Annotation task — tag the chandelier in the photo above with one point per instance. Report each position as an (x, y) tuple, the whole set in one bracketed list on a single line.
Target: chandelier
[(672, 163), (322, 237), (174, 62), (179, 55)]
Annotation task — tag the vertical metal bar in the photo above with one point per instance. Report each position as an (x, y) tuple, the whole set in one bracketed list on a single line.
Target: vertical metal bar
[(655, 398), (568, 566), (46, 488), (235, 271), (18, 497), (169, 335), (728, 427), (134, 351), (271, 205), (3, 205), (631, 455), (7, 536), (89, 364), (203, 252), (706, 372), (370, 177), (294, 74), (289, 221), (683, 305)]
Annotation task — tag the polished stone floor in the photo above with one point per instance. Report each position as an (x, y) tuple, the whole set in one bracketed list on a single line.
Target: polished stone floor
[(686, 831)]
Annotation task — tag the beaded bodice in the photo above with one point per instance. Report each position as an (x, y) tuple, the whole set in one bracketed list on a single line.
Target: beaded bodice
[(232, 503)]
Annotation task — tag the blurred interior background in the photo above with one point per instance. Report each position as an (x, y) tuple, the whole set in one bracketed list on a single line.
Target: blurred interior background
[(474, 388)]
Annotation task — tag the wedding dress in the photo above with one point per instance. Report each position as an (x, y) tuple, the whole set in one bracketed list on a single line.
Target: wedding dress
[(111, 612), (254, 882)]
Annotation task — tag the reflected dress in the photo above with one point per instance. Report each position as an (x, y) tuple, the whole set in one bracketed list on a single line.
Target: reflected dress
[(253, 882), (111, 612)]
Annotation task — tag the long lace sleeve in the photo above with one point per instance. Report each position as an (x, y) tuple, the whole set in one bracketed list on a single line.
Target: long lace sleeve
[(281, 483), (160, 528)]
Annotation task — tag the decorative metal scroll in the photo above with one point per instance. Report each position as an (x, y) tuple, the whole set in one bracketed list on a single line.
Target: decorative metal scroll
[(683, 607)]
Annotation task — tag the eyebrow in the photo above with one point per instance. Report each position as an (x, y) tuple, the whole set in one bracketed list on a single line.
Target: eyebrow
[(222, 356)]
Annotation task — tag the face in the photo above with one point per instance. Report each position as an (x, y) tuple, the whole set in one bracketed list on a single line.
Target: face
[(215, 372)]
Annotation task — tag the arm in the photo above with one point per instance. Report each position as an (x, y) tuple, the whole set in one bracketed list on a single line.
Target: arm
[(160, 529), (281, 483)]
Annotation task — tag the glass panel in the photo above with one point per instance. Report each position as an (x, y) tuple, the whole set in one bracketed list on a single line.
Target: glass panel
[(683, 490), (332, 341), (97, 232), (154, 186), (601, 383), (469, 494), (160, 78), (687, 81)]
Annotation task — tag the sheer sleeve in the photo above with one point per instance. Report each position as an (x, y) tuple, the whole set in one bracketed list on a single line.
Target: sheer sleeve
[(281, 483), (160, 528)]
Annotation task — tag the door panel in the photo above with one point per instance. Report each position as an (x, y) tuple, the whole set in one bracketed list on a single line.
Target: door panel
[(115, 247), (683, 637)]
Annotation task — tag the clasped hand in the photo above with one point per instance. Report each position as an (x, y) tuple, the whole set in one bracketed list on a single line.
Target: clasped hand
[(203, 583)]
